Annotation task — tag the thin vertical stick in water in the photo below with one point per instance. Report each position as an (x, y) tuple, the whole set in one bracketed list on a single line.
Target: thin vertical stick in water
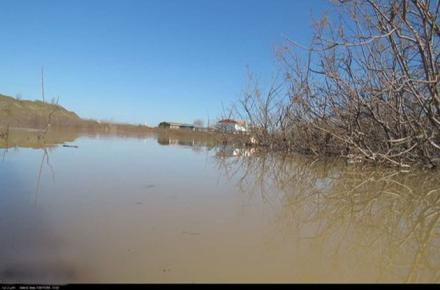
[(42, 83)]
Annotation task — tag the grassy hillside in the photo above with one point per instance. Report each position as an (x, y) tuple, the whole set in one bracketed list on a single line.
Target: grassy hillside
[(33, 114), (37, 115)]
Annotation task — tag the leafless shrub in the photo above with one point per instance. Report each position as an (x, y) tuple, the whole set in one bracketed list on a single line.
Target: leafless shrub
[(367, 88)]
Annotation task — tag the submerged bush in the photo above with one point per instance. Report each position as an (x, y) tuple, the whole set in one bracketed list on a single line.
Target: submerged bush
[(367, 87)]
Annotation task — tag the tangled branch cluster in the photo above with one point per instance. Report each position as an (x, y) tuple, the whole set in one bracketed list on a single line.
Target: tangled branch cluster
[(367, 87)]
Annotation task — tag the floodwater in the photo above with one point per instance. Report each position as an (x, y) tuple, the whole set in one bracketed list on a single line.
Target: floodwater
[(163, 209)]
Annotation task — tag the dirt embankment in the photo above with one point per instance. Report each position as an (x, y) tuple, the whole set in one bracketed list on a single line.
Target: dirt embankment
[(41, 115), (33, 114)]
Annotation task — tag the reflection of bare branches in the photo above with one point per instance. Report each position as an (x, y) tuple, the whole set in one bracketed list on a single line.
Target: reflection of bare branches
[(390, 207), (391, 217), (5, 151), (44, 158), (45, 153), (40, 143), (52, 171), (4, 134)]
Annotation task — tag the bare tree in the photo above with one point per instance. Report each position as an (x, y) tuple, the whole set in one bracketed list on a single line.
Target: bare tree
[(367, 87), (42, 83), (198, 123)]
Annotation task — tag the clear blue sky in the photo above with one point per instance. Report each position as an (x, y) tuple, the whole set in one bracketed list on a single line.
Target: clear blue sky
[(146, 60)]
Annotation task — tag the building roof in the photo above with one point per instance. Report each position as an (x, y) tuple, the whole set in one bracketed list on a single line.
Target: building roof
[(177, 124)]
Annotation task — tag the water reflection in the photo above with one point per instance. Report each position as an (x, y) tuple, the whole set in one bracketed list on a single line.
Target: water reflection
[(191, 139), (45, 160), (195, 141), (234, 215), (365, 224), (225, 151), (31, 138), (31, 251)]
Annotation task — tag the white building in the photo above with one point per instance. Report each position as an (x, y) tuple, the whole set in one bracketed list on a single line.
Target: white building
[(231, 126)]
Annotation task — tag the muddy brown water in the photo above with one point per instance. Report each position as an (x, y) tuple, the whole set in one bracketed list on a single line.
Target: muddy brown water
[(146, 209)]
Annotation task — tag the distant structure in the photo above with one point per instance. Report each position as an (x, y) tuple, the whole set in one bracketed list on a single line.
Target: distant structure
[(172, 125), (231, 126)]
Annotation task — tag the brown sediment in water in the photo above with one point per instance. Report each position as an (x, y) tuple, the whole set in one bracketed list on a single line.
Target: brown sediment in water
[(169, 214)]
